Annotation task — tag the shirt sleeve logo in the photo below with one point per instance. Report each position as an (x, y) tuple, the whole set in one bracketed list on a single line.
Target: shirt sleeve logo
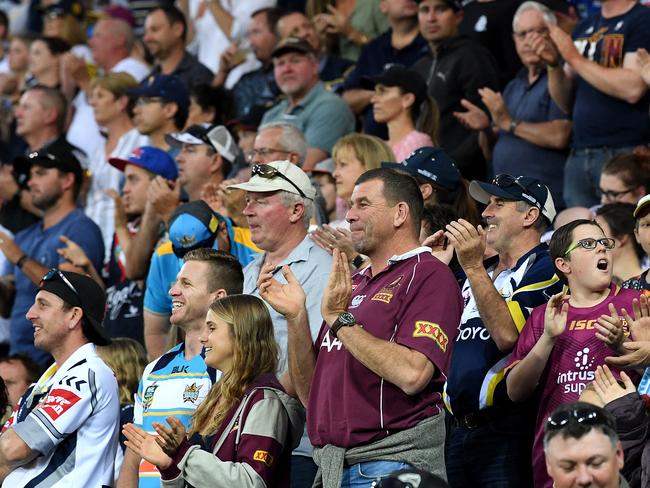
[(58, 402), (432, 331), (264, 457), (148, 396)]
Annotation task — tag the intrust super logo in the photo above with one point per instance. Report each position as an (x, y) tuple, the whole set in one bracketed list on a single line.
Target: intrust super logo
[(432, 331), (58, 402)]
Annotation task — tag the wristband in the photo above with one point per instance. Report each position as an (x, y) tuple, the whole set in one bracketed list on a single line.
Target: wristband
[(551, 66), (21, 261)]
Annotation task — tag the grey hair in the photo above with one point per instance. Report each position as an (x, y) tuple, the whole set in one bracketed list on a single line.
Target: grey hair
[(289, 199), (547, 13), (291, 139)]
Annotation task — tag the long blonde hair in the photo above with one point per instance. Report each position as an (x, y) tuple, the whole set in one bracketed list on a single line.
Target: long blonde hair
[(255, 352), (127, 358)]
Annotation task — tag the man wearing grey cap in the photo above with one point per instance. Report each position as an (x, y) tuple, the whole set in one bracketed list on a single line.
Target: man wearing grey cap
[(490, 436), (279, 206), (64, 430), (322, 116)]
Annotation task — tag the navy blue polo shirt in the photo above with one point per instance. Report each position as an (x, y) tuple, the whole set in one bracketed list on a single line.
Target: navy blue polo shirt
[(475, 381), (373, 60), (516, 156)]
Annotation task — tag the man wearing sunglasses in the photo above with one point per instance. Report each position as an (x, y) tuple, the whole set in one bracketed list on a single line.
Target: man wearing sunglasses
[(564, 341), (54, 184), (64, 430), (280, 204), (498, 298), (582, 447)]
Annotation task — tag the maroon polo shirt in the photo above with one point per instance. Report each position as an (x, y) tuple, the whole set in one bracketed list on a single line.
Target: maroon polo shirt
[(415, 302)]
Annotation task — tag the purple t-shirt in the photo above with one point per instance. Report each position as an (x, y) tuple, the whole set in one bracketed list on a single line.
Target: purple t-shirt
[(414, 302), (571, 365)]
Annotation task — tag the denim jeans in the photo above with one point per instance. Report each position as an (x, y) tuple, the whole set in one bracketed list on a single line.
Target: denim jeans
[(582, 174), (362, 475), (497, 454)]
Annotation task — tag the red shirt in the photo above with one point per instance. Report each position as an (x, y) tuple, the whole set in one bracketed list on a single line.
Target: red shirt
[(414, 302)]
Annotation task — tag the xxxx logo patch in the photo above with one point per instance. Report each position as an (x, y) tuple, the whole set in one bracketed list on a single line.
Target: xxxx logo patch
[(432, 331)]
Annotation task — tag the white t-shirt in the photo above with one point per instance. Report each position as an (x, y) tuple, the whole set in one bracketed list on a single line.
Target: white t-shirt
[(99, 206), (210, 41), (74, 425)]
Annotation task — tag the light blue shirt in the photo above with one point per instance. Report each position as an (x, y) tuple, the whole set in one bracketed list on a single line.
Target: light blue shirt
[(323, 117)]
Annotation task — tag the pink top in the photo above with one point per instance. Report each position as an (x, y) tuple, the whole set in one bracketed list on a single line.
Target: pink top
[(413, 140)]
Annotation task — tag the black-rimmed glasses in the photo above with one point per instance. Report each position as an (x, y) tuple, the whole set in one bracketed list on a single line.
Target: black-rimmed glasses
[(269, 172)]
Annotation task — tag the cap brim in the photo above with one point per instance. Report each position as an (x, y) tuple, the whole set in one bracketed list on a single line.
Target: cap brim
[(481, 192), (99, 333), (177, 139), (118, 163), (289, 49), (257, 187), (641, 208)]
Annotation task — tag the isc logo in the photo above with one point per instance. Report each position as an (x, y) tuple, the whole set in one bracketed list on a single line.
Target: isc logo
[(582, 324)]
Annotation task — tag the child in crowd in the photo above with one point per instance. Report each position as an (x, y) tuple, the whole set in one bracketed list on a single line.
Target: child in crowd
[(565, 340), (244, 431)]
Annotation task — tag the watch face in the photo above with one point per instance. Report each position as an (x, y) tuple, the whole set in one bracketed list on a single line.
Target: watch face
[(347, 319)]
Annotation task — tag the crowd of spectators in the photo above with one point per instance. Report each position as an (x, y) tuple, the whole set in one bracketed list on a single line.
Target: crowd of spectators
[(295, 243)]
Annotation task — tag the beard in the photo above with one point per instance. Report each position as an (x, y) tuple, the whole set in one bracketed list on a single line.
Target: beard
[(46, 201)]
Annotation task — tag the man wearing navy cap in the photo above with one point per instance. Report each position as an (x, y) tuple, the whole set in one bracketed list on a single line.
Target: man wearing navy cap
[(432, 168), (489, 442), (55, 178), (64, 429), (162, 106), (454, 69)]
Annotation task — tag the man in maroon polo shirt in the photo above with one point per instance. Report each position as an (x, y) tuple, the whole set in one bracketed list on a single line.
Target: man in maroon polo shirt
[(372, 382)]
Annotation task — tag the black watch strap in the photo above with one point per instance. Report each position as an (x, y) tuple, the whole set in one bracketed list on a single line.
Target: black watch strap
[(358, 261), (346, 319)]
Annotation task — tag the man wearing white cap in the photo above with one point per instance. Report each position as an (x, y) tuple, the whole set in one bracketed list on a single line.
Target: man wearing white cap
[(279, 206)]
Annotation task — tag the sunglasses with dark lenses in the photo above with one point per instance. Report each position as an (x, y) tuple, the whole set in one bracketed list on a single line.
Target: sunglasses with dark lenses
[(53, 274), (506, 181), (583, 416), (269, 172), (590, 243)]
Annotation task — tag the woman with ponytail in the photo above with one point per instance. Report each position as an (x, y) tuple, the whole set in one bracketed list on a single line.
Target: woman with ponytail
[(402, 103), (244, 431)]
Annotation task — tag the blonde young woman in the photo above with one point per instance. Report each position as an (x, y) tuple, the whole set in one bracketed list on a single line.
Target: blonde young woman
[(401, 101), (244, 431)]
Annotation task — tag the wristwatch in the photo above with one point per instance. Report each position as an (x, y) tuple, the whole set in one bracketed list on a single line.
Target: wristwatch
[(513, 125), (346, 319)]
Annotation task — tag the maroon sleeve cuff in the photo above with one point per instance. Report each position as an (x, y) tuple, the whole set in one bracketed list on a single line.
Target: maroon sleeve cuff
[(173, 472)]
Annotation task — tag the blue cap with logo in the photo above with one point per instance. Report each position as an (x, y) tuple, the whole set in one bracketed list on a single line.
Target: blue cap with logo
[(168, 87), (430, 163), (152, 159), (193, 225)]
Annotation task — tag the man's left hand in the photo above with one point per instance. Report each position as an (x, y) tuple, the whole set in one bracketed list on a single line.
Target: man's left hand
[(497, 107), (564, 44), (338, 291)]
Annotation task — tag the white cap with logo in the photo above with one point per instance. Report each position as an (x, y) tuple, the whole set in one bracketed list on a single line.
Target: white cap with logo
[(278, 175)]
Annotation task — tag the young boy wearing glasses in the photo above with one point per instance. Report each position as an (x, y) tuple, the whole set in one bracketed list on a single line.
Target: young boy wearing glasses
[(565, 340)]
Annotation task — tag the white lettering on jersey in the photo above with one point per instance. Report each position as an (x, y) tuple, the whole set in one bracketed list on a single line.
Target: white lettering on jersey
[(330, 342)]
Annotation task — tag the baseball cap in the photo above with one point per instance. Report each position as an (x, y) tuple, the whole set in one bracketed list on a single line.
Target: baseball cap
[(63, 7), (168, 87), (152, 159), (412, 478), (521, 188), (430, 163), (397, 75), (454, 4), (80, 291), (216, 136), (278, 175), (292, 44), (51, 157), (641, 204), (193, 225)]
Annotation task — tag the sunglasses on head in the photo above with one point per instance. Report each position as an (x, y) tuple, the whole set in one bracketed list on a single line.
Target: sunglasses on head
[(583, 416), (269, 172), (53, 274), (507, 181)]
